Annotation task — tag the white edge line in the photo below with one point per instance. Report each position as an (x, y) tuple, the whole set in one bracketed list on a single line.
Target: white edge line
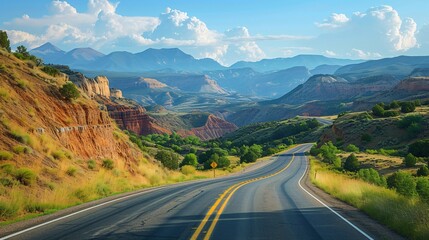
[(78, 212), (339, 215)]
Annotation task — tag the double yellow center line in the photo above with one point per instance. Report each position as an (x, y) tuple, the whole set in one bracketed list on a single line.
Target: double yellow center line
[(225, 197)]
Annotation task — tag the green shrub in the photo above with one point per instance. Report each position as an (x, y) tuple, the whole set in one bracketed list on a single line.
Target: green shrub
[(188, 169), (91, 164), (190, 159), (378, 110), (7, 211), (69, 91), (58, 155), (351, 164), (420, 148), (423, 171), (403, 183), (51, 71), (21, 137), (21, 149), (81, 195), (5, 155), (168, 159), (372, 176), (22, 84), (25, 176), (103, 189), (108, 164), (35, 207), (6, 182), (407, 107), (410, 160), (71, 171), (352, 148), (422, 188)]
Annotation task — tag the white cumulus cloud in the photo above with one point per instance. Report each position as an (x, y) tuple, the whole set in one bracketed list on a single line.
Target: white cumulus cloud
[(380, 31)]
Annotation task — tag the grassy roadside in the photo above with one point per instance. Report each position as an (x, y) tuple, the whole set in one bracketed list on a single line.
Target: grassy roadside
[(17, 204), (407, 216)]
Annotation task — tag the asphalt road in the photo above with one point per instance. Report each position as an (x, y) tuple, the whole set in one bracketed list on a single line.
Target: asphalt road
[(267, 203)]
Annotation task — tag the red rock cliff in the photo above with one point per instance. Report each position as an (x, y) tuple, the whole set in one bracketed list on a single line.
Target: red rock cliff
[(214, 128)]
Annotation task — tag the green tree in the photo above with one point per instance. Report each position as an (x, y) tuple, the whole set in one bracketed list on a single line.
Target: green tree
[(366, 137), (419, 148), (394, 105), (372, 176), (352, 164), (168, 159), (4, 41), (410, 160), (403, 183), (407, 107), (223, 162), (190, 159), (422, 188), (249, 156), (378, 110), (352, 148), (69, 91), (423, 171)]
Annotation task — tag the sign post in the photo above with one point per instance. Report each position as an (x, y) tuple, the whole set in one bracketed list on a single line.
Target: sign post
[(214, 165)]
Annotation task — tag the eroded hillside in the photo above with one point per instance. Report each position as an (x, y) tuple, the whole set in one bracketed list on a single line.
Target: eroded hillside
[(56, 152)]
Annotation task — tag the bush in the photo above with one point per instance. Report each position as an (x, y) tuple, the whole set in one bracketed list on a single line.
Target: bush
[(403, 183), (91, 164), (22, 84), (352, 164), (51, 71), (6, 155), (168, 159), (69, 91), (4, 43), (21, 149), (410, 160), (378, 110), (25, 176), (7, 211), (6, 182), (108, 164), (71, 171), (422, 188), (58, 155), (372, 176), (20, 137), (420, 148), (352, 148), (188, 169), (190, 159), (407, 107), (423, 171)]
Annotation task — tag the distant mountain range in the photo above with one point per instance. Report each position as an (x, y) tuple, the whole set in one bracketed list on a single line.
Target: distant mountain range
[(309, 61), (174, 60)]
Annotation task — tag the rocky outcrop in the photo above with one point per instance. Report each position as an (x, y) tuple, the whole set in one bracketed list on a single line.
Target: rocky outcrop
[(334, 88), (135, 119), (115, 93), (414, 84), (149, 83), (213, 128), (92, 86)]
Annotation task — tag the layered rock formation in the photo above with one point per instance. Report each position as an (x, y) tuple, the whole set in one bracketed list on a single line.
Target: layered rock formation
[(91, 86), (135, 119), (39, 112), (115, 93), (213, 128)]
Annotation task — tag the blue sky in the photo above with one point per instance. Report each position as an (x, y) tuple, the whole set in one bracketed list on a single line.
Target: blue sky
[(227, 31)]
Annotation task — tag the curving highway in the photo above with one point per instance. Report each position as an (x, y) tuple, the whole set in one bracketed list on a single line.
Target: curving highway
[(266, 203)]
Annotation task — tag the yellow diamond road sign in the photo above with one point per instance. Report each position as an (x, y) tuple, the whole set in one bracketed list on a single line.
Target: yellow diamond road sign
[(213, 165)]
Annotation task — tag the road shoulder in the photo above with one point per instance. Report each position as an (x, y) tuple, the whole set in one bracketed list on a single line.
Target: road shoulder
[(354, 215)]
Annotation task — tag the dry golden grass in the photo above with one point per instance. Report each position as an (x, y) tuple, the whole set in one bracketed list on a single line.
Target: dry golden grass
[(407, 216)]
